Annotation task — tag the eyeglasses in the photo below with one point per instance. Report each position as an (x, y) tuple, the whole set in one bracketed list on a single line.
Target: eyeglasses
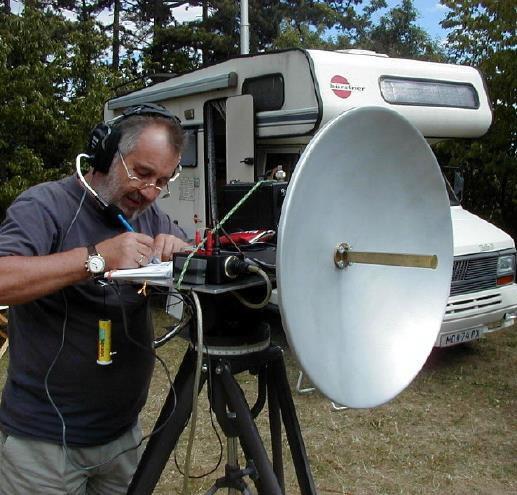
[(140, 184)]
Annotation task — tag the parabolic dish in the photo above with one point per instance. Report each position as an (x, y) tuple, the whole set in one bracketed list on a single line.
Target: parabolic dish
[(362, 333)]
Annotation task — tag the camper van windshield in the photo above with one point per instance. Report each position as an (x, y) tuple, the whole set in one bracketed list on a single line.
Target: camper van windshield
[(452, 197)]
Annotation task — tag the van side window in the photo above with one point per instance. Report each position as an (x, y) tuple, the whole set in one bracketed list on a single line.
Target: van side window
[(267, 91), (189, 155), (408, 91)]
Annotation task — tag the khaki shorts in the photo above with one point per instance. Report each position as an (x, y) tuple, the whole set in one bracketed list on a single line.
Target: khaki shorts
[(29, 466)]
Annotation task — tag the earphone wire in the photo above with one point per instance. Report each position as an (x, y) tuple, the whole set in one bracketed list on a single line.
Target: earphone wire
[(60, 349)]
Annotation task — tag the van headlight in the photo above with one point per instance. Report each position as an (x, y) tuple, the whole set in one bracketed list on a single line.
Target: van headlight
[(505, 269), (505, 265)]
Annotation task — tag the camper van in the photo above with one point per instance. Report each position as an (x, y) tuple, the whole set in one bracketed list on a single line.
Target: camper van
[(250, 116)]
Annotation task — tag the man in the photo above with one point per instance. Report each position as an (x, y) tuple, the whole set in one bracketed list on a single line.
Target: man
[(64, 418)]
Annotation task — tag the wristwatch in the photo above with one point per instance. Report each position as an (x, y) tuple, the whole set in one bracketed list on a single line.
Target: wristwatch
[(95, 264)]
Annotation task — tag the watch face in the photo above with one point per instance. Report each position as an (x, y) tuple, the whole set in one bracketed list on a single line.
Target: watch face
[(96, 264)]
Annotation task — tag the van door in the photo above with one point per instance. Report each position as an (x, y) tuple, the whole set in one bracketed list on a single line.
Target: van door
[(240, 139)]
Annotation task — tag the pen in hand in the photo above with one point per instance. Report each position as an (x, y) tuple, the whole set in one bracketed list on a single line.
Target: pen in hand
[(122, 219)]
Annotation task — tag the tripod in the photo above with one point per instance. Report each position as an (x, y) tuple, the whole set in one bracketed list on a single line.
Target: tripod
[(236, 419)]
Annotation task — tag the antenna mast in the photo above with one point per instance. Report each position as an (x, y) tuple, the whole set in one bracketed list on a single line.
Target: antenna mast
[(245, 28)]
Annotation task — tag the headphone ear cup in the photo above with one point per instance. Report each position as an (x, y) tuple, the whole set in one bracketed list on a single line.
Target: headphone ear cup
[(102, 146)]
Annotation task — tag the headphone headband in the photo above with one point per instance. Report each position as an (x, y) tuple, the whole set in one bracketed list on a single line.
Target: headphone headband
[(105, 136)]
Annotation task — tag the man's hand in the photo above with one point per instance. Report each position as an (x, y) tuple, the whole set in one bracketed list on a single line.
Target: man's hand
[(165, 245), (128, 250), (25, 278)]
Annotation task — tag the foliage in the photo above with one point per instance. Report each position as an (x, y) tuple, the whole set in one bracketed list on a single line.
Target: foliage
[(398, 35), (214, 37), (156, 42), (483, 35), (276, 24), (23, 170), (350, 24), (306, 24), (51, 89), (56, 72)]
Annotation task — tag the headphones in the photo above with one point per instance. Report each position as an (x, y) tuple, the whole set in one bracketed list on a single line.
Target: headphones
[(105, 137)]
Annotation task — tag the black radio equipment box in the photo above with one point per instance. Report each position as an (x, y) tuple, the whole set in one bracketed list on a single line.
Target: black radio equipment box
[(260, 211)]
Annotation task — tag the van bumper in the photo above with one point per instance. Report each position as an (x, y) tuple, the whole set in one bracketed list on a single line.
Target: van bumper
[(470, 316)]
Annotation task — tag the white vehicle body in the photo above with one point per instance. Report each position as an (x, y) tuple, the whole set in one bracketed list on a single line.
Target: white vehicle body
[(262, 110), (477, 304)]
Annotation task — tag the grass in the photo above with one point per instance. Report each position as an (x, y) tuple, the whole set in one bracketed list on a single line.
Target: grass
[(452, 431)]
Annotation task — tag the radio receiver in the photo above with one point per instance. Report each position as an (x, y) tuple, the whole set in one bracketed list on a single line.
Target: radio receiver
[(364, 259)]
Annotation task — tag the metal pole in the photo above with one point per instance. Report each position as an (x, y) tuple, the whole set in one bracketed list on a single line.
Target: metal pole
[(245, 28), (232, 458)]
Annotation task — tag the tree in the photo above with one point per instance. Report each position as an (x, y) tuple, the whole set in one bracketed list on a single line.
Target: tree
[(151, 19), (276, 24), (483, 35), (178, 47), (51, 91), (306, 24), (398, 35)]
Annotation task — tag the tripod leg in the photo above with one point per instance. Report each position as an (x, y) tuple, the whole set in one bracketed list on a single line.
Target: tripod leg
[(173, 419), (275, 427), (248, 433), (219, 401), (278, 379)]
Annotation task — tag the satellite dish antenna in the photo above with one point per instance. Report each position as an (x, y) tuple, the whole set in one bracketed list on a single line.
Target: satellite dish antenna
[(364, 257)]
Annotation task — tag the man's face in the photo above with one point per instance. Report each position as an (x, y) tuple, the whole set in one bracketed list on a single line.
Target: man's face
[(152, 160)]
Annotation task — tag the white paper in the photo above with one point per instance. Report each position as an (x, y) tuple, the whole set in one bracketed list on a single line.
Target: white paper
[(153, 274)]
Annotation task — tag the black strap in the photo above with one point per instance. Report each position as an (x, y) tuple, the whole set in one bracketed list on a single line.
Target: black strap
[(92, 250)]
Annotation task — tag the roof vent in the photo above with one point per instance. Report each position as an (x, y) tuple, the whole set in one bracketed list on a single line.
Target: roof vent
[(356, 51)]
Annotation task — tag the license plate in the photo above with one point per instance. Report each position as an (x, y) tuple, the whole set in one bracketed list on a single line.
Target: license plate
[(460, 337)]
